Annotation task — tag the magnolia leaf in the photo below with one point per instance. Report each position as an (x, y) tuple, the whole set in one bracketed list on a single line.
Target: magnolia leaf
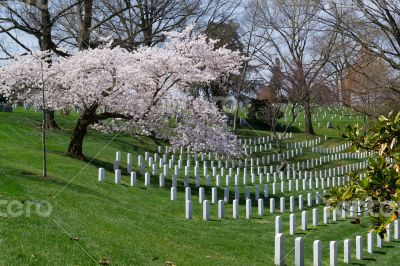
[(382, 119), (394, 217), (382, 149), (394, 141)]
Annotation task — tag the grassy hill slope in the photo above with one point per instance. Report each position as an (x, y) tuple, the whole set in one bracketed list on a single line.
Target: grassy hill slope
[(93, 221)]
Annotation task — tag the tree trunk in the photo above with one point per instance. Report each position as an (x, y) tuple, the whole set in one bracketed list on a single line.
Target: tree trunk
[(50, 120), (308, 120), (45, 45), (236, 115), (75, 148), (146, 19), (85, 23), (88, 116)]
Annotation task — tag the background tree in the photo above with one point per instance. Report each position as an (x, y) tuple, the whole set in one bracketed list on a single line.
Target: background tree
[(344, 54), (131, 23), (367, 83), (276, 97), (290, 32), (373, 26), (227, 36), (247, 81)]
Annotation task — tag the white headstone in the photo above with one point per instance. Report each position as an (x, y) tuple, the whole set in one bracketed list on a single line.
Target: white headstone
[(248, 209), (292, 224), (282, 204), (301, 202), (278, 225), (326, 215), (162, 180), (370, 242), (299, 251), (235, 211), (117, 179), (280, 250), (188, 209), (388, 233), (396, 229), (260, 207), (346, 251), (378, 241), (201, 195), (332, 253), (133, 179), (317, 253), (304, 220), (291, 203), (214, 197), (173, 193), (147, 179), (188, 194), (118, 156), (271, 205), (226, 195), (206, 210), (220, 209), (315, 217), (102, 175), (359, 255)]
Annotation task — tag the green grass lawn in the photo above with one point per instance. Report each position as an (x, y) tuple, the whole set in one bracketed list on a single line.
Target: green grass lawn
[(93, 221)]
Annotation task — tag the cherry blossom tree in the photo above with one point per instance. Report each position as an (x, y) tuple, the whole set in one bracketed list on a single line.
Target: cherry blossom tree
[(116, 84), (23, 79), (204, 128), (183, 121)]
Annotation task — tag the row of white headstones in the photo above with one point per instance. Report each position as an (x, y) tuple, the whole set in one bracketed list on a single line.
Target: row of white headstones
[(162, 161), (330, 150), (247, 142), (229, 174), (290, 154), (305, 177), (280, 252), (264, 144), (346, 211), (322, 113), (305, 164), (330, 180), (235, 202), (280, 247)]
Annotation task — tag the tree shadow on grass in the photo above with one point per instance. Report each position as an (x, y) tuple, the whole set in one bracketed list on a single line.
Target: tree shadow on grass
[(101, 164), (380, 252), (369, 259), (65, 185)]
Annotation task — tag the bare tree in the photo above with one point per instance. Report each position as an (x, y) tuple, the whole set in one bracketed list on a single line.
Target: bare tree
[(291, 32), (343, 56), (368, 81), (372, 27), (373, 24), (276, 100), (251, 46), (131, 23)]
